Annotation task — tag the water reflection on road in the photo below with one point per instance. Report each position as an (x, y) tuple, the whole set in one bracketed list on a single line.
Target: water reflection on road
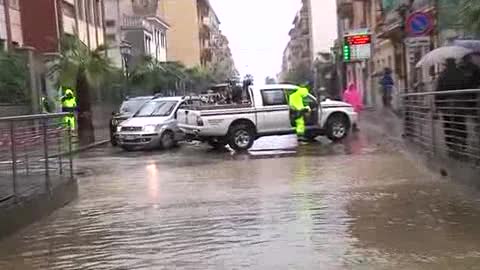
[(356, 205)]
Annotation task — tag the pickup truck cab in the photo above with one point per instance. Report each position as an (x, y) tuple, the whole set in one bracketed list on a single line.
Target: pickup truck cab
[(266, 114)]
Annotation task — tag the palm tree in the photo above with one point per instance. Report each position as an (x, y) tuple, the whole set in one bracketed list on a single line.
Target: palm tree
[(152, 76), (199, 79), (470, 12), (82, 69), (13, 78)]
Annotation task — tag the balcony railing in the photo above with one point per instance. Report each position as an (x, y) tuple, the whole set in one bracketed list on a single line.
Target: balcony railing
[(134, 22)]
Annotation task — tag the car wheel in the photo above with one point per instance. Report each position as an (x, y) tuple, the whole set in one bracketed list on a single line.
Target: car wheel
[(113, 142), (241, 137), (337, 128), (167, 140)]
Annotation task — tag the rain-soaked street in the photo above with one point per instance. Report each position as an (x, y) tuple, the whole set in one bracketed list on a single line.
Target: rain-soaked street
[(362, 204)]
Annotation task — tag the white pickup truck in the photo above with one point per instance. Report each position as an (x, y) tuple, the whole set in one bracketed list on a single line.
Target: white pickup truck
[(267, 114)]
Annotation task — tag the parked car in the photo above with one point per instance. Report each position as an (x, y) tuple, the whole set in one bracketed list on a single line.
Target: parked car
[(154, 125), (268, 114), (127, 109)]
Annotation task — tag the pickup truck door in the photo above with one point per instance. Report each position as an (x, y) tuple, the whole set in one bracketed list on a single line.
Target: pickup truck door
[(312, 119), (273, 116)]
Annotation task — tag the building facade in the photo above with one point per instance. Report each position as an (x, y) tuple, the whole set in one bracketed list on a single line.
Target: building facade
[(138, 24), (222, 65), (298, 55), (194, 27), (11, 34), (81, 18)]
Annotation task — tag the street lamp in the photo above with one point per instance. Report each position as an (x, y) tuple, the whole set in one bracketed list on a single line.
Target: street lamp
[(126, 52)]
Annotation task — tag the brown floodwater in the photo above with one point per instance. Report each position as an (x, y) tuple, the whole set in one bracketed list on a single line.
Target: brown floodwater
[(356, 205)]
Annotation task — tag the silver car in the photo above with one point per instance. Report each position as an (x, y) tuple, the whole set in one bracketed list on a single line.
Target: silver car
[(154, 125)]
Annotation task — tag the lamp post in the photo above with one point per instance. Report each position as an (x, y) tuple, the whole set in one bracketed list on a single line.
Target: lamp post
[(126, 52)]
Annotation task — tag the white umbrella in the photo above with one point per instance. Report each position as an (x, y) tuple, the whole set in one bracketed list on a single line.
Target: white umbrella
[(440, 55)]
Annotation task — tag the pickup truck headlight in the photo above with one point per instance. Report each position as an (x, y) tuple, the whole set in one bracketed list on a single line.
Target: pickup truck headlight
[(119, 128), (150, 128)]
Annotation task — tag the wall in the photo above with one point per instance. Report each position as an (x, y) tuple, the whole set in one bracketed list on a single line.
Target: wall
[(183, 36), (3, 26), (323, 15), (40, 34), (16, 25), (13, 110)]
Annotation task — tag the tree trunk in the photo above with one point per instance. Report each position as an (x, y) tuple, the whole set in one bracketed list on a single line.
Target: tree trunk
[(86, 132)]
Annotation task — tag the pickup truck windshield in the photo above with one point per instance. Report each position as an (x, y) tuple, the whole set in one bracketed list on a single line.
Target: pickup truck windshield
[(156, 108)]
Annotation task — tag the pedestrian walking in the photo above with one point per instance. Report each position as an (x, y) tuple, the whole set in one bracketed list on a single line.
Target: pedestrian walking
[(454, 121), (387, 84)]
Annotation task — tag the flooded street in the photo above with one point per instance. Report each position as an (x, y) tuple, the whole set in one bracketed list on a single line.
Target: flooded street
[(357, 205)]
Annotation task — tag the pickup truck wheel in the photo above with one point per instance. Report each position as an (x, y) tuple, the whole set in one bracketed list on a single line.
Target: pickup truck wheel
[(337, 128), (167, 140), (241, 137)]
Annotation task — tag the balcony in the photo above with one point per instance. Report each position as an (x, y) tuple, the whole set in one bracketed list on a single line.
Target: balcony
[(206, 21), (391, 27), (345, 9), (206, 56), (134, 22)]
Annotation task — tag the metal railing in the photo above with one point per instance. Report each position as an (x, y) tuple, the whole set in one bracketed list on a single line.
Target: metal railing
[(35, 155), (445, 124)]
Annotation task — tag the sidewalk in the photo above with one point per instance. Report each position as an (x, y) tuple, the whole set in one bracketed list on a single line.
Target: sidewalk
[(382, 121)]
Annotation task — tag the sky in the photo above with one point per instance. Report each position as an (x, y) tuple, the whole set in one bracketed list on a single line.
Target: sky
[(258, 31)]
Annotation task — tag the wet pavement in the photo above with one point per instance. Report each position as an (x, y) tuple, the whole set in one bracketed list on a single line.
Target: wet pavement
[(361, 204)]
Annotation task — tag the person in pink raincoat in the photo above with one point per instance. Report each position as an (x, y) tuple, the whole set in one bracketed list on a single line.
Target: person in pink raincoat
[(353, 97)]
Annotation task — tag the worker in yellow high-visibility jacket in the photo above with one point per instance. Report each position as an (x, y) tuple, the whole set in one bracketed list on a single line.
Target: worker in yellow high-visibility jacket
[(298, 110), (69, 104)]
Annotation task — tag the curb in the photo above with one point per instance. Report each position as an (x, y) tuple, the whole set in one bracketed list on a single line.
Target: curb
[(90, 146), (82, 149)]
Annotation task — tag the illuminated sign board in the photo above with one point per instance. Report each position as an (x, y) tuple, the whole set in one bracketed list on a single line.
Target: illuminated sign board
[(357, 47)]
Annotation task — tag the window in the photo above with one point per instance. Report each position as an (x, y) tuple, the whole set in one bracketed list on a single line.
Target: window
[(69, 10), (97, 11), (89, 10), (273, 97), (110, 23), (81, 9), (111, 38), (14, 4), (163, 39)]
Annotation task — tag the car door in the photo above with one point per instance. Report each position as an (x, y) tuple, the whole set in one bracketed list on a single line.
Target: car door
[(312, 118), (273, 116)]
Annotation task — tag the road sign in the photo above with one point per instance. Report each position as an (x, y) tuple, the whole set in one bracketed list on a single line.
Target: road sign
[(417, 41), (419, 24), (357, 47)]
